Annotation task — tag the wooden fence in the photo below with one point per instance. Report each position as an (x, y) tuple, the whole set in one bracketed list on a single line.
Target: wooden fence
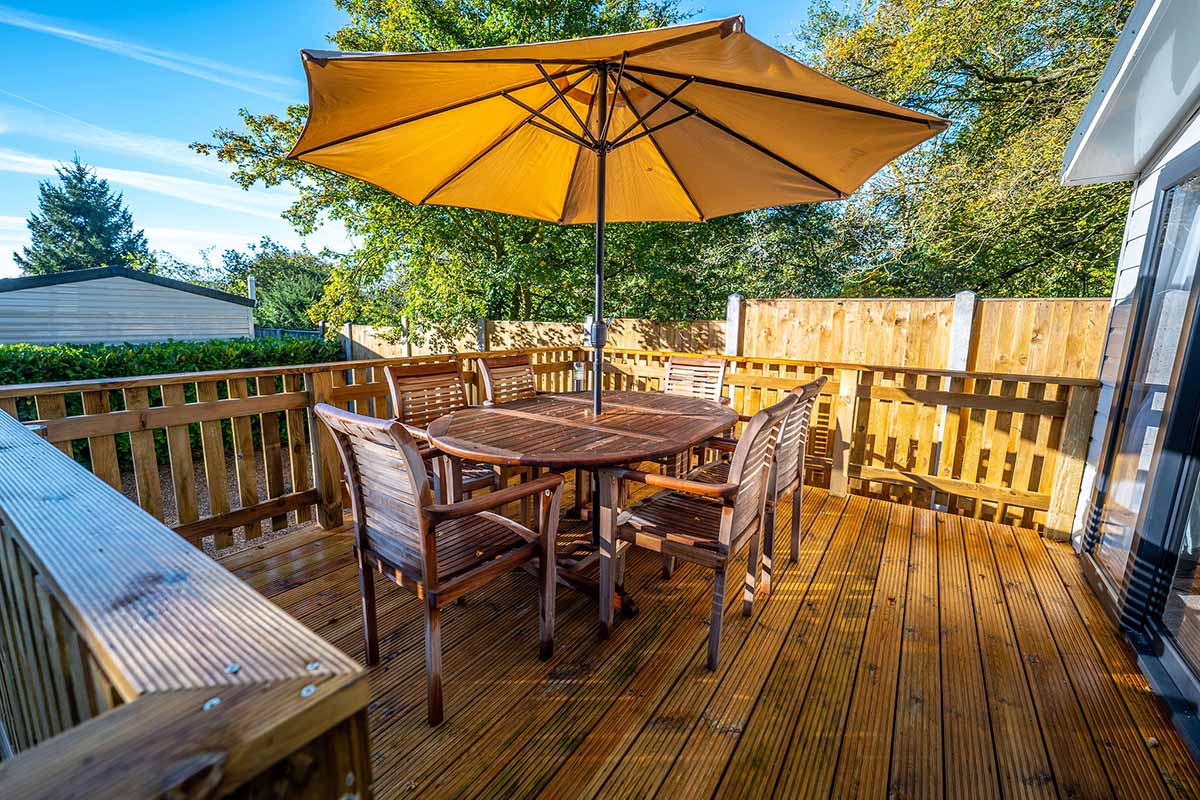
[(1054, 337), (998, 446)]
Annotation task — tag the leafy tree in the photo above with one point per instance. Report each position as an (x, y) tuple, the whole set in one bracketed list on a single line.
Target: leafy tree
[(81, 224), (982, 207), (287, 282), (442, 266)]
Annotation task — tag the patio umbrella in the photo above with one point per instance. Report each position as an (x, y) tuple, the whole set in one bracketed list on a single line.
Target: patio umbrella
[(683, 123)]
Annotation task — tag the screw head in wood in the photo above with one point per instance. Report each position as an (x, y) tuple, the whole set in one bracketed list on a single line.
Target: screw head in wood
[(313, 666), (233, 668), (211, 703), (308, 691)]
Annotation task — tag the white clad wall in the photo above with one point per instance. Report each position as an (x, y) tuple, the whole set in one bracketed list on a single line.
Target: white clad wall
[(115, 310), (1137, 229)]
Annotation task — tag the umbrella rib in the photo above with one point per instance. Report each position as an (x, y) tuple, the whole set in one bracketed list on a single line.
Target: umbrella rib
[(663, 155), (562, 97), (431, 113), (496, 143), (578, 155), (559, 129), (799, 98), (746, 140), (647, 131), (640, 118)]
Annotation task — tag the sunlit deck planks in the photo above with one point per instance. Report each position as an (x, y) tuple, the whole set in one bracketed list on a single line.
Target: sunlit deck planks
[(907, 652)]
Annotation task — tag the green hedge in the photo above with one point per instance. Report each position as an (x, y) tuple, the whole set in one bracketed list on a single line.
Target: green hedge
[(28, 363), (32, 363)]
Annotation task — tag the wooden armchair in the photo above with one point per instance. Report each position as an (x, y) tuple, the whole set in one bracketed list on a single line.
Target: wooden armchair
[(787, 474), (707, 523), (703, 378), (420, 394), (439, 551), (507, 378)]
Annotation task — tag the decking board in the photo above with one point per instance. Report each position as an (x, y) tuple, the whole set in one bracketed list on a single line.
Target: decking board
[(907, 653)]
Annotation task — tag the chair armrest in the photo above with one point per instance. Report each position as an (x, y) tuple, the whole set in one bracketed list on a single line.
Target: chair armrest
[(420, 434), (713, 490), (486, 502), (721, 443)]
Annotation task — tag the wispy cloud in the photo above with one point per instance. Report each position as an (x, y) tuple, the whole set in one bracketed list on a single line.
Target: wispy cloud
[(267, 204), (42, 122), (196, 66)]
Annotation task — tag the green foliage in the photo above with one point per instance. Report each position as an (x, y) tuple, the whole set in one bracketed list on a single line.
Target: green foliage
[(81, 225), (982, 208), (33, 363), (29, 363)]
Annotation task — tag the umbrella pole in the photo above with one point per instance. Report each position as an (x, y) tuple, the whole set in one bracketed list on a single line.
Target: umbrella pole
[(598, 326)]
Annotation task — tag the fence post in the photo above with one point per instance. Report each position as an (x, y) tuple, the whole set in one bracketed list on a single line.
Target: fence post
[(327, 469), (843, 432), (733, 325), (348, 332), (1072, 457), (961, 352)]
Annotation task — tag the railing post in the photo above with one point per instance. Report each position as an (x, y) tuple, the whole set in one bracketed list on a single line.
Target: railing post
[(1072, 457), (327, 470), (733, 325), (843, 413)]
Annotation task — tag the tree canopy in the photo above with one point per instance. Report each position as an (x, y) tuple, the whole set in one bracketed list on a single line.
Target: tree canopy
[(979, 208), (80, 223)]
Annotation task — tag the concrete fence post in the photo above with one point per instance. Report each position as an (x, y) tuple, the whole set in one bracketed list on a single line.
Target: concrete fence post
[(734, 326), (348, 333), (962, 332), (481, 335)]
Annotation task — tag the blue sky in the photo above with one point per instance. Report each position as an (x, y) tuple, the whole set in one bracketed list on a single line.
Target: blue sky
[(129, 85)]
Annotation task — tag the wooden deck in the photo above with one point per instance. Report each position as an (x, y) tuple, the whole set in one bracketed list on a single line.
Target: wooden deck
[(906, 654)]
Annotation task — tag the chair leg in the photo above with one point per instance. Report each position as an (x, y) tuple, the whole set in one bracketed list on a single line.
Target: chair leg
[(768, 551), (608, 551), (433, 659), (797, 508), (366, 590), (668, 566), (718, 616), (547, 574), (752, 569)]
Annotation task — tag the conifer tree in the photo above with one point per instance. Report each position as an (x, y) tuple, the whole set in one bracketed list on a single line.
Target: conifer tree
[(81, 223)]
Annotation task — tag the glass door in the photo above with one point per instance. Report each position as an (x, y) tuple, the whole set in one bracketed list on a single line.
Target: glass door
[(1181, 613), (1169, 287)]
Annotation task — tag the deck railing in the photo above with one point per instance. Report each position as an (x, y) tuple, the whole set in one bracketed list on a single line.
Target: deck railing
[(1006, 448), (122, 642), (133, 666)]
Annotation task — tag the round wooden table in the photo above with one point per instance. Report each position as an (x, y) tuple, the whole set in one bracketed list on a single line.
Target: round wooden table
[(558, 431)]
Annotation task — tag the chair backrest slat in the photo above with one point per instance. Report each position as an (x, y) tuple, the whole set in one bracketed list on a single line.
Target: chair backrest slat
[(508, 378), (703, 378), (423, 392), (389, 487), (751, 466), (793, 436)]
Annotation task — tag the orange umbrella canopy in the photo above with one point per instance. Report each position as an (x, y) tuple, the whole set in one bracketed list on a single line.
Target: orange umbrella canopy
[(694, 122)]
